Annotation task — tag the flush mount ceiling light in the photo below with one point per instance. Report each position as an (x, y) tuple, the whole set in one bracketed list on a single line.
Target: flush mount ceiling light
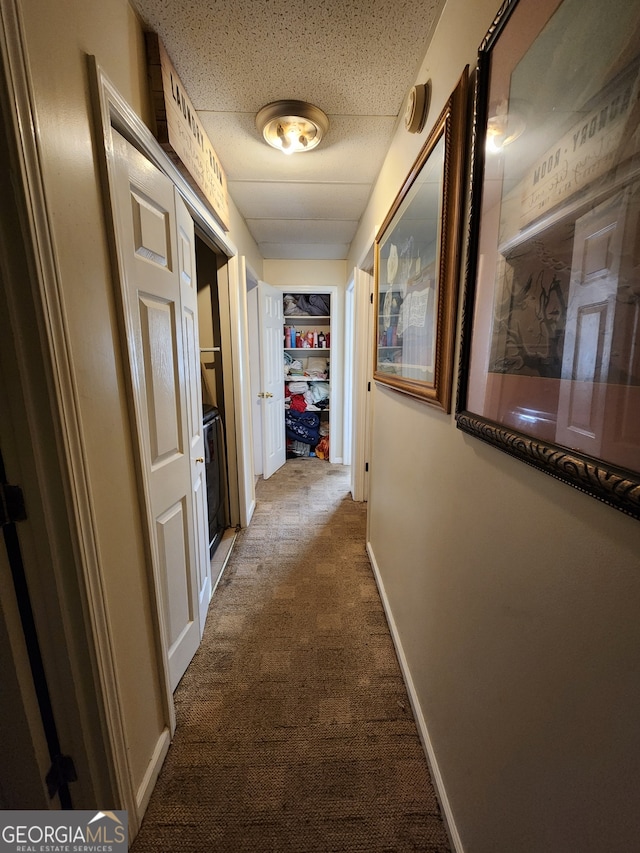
[(292, 126)]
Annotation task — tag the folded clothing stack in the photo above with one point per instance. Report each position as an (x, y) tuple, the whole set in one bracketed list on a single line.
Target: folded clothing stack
[(302, 426), (317, 304), (317, 397)]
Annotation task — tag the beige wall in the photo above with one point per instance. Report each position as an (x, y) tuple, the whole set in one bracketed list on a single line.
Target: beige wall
[(58, 35), (515, 597), (312, 273), (244, 242)]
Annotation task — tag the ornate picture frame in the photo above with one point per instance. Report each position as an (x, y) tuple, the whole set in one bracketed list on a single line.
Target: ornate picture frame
[(550, 353), (417, 257)]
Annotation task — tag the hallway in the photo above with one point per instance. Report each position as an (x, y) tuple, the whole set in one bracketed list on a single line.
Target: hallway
[(294, 730)]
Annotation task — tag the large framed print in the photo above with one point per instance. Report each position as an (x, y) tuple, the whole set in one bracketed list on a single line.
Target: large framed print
[(417, 265), (550, 356)]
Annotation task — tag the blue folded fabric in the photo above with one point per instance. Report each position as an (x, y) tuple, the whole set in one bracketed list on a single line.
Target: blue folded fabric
[(302, 426)]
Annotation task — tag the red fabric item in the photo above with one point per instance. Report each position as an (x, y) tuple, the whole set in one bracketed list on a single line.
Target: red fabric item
[(298, 402)]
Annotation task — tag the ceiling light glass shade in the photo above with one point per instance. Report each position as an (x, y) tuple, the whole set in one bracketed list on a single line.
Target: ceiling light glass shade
[(292, 126)]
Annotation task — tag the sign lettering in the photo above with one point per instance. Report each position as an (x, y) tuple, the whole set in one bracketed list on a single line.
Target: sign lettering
[(179, 131)]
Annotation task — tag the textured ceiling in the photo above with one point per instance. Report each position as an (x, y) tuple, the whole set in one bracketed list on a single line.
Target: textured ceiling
[(355, 59)]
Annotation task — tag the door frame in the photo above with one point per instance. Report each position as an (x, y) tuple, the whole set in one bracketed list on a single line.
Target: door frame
[(235, 357), (336, 399), (271, 379), (349, 384), (240, 360), (362, 376)]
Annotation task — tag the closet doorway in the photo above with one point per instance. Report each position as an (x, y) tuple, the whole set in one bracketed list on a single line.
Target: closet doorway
[(336, 402), (214, 404)]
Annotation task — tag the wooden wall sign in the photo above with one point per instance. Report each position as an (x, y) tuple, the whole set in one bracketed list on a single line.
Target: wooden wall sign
[(180, 133)]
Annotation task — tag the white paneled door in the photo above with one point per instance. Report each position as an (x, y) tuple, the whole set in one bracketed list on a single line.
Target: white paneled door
[(155, 248), (189, 303), (595, 319), (271, 392)]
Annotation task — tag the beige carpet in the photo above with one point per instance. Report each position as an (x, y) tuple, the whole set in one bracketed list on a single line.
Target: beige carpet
[(294, 728)]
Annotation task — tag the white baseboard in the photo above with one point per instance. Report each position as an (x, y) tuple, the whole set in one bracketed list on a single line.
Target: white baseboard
[(143, 794), (436, 776)]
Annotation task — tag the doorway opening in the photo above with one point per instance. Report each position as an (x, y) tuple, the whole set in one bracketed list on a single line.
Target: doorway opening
[(298, 364), (213, 401)]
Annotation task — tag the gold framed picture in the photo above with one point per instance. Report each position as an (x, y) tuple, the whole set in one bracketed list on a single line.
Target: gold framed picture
[(417, 256)]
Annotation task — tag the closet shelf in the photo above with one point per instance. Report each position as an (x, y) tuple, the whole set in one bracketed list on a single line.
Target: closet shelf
[(289, 318), (307, 349)]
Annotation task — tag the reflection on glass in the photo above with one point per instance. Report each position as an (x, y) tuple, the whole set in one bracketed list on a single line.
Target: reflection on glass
[(556, 349), (408, 278)]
